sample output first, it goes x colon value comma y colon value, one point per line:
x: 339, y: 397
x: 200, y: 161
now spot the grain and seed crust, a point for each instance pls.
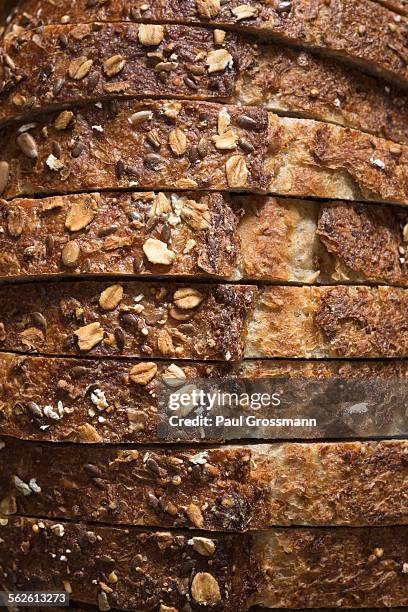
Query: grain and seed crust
x: 132, y: 412
x: 195, y: 234
x: 342, y: 321
x: 145, y: 144
x: 314, y: 159
x: 151, y: 568
x: 361, y: 32
x: 207, y: 234
x: 236, y: 488
x: 278, y: 568
x: 131, y: 319
x: 41, y: 68
x: 36, y: 68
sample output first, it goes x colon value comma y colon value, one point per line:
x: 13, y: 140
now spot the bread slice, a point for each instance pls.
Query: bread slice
x: 314, y: 159
x: 236, y: 488
x: 204, y: 322
x: 363, y: 33
x: 145, y: 144
x: 281, y: 79
x: 370, y: 403
x: 209, y: 235
x: 277, y: 568
x: 206, y: 146
x: 71, y: 64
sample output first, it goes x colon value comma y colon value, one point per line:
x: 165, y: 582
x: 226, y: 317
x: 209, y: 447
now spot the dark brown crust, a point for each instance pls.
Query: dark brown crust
x: 399, y: 6
x: 287, y: 81
x: 249, y: 237
x: 334, y: 27
x: 281, y: 79
x: 315, y: 159
x: 28, y: 384
x: 199, y: 228
x: 329, y: 322
x: 351, y: 568
x: 39, y: 77
x: 147, y: 321
x: 362, y: 321
x: 282, y: 568
x: 151, y: 567
x: 116, y: 154
x: 363, y: 241
x: 226, y: 489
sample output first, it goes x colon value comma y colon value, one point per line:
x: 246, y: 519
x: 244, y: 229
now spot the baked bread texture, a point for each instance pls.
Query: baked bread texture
x: 53, y: 399
x: 358, y: 31
x: 204, y: 322
x: 237, y: 488
x: 205, y: 235
x: 59, y: 65
x: 279, y: 568
x: 147, y: 144
x: 204, y: 146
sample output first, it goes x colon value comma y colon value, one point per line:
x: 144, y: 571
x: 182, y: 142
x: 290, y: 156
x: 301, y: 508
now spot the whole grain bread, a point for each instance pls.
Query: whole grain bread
x: 203, y: 146
x: 42, y: 71
x: 146, y: 144
x: 205, y: 235
x: 62, y: 64
x: 54, y: 399
x: 134, y: 319
x: 357, y: 31
x: 204, y: 322
x: 129, y: 569
x: 236, y: 488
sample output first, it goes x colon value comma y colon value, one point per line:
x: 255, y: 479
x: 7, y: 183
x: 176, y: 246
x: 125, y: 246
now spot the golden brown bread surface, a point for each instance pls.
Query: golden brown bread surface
x: 328, y: 322
x: 235, y: 488
x: 41, y: 71
x: 315, y: 159
x: 206, y: 234
x: 203, y: 322
x: 145, y: 144
x: 357, y: 31
x: 133, y: 413
x: 278, y: 568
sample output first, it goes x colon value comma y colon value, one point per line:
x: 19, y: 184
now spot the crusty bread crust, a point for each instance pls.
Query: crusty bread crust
x: 281, y: 79
x: 314, y: 159
x: 112, y: 229
x: 136, y: 319
x: 328, y: 322
x: 204, y: 322
x: 40, y: 73
x: 145, y: 144
x: 210, y: 234
x: 291, y: 157
x: 357, y: 31
x: 308, y: 568
x: 236, y: 488
x: 134, y: 413
x: 280, y: 568
x: 399, y: 6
